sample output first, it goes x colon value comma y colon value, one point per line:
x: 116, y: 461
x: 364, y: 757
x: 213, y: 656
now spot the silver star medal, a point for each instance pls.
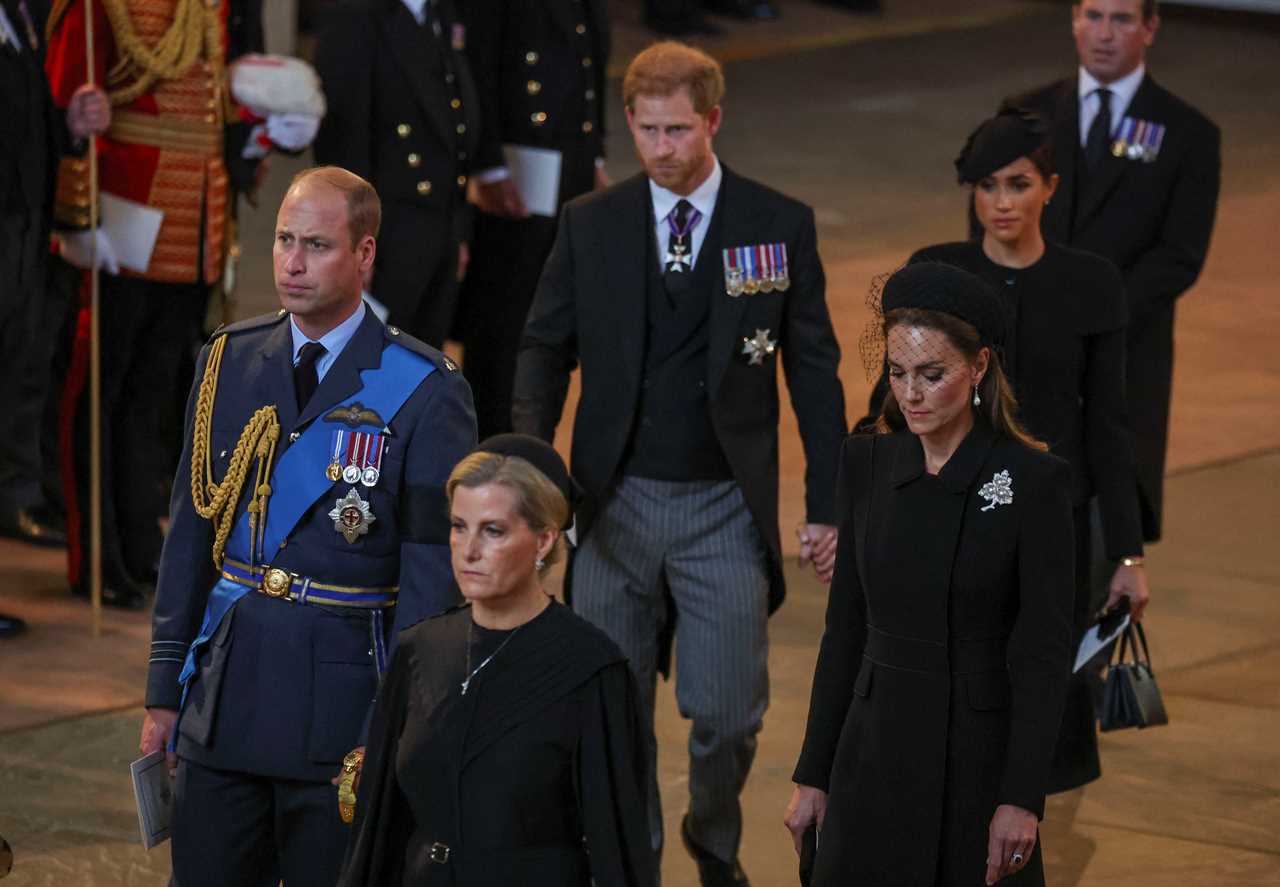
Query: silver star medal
x: 676, y: 258
x: 997, y: 491
x: 759, y: 348
x: 351, y: 516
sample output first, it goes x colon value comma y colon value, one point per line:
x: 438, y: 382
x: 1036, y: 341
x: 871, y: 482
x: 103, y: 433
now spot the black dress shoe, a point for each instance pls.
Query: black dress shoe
x: 30, y: 525
x: 123, y: 594
x: 712, y: 870
x: 11, y: 626
x: 684, y: 26
x: 751, y: 10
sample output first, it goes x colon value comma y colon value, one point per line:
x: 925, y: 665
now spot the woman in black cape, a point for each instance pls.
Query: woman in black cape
x: 505, y: 747
x: 943, y: 668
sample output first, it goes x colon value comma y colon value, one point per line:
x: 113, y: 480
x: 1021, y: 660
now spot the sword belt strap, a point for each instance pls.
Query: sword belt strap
x: 278, y: 583
x: 190, y: 136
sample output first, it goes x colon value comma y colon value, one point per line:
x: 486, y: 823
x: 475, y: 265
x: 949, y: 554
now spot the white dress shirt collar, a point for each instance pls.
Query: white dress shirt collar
x: 333, y: 341
x: 1122, y: 92
x: 703, y: 197
x: 418, y: 8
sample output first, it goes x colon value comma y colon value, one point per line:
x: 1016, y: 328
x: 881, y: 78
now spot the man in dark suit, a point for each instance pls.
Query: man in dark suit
x: 308, y: 523
x: 540, y: 71
x: 34, y: 133
x: 1139, y: 174
x: 677, y: 292
x: 403, y: 114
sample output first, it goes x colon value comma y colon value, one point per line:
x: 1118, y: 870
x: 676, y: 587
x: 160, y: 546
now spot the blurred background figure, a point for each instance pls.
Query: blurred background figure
x: 541, y: 77
x: 403, y: 114
x: 175, y: 154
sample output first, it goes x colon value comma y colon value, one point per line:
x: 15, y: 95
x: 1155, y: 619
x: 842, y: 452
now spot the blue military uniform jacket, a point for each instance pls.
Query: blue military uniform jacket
x: 282, y: 688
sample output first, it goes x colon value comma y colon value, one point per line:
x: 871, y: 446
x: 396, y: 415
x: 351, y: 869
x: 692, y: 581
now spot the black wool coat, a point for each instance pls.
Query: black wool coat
x: 943, y: 668
x: 1153, y: 220
x: 535, y: 776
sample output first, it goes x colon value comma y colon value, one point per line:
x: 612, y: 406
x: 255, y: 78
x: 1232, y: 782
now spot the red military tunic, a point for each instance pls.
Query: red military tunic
x: 165, y: 146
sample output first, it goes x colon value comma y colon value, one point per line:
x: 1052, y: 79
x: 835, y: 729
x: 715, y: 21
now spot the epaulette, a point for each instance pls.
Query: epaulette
x: 399, y: 337
x: 251, y: 323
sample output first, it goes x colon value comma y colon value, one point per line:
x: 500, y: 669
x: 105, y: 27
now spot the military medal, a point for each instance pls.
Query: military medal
x: 758, y: 348
x: 351, y: 516
x: 334, y: 470
x: 677, y: 258
x: 1138, y: 140
x: 761, y: 268
x: 372, y: 464
x: 764, y: 262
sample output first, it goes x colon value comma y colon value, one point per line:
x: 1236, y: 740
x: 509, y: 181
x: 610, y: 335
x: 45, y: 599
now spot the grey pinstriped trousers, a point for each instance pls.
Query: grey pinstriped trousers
x: 698, y: 540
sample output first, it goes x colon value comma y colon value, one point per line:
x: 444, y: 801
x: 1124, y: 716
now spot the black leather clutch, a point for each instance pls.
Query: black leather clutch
x: 1130, y: 696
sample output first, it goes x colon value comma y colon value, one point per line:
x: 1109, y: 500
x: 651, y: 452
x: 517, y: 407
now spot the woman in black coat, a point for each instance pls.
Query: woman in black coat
x: 1065, y: 355
x: 943, y: 668
x: 506, y: 745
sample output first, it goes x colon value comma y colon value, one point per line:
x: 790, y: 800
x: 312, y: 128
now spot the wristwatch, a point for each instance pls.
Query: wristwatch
x: 1131, y: 562
x: 351, y: 766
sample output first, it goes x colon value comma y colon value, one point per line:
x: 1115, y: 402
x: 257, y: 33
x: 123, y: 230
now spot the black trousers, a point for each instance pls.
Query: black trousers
x: 148, y: 332
x: 253, y: 831
x: 28, y: 333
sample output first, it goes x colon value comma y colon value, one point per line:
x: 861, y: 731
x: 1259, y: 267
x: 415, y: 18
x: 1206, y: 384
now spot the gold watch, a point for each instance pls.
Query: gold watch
x: 351, y: 766
x: 1131, y: 562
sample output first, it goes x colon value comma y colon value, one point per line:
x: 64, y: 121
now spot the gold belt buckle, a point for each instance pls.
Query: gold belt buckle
x: 276, y: 582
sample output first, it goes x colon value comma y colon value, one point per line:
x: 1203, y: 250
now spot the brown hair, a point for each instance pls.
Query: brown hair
x: 364, y: 207
x: 665, y: 67
x: 538, y: 501
x: 999, y: 406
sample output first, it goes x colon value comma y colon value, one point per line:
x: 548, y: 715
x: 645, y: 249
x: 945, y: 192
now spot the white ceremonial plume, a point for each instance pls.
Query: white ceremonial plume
x: 277, y: 84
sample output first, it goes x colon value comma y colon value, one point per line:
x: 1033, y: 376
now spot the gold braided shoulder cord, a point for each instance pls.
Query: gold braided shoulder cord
x: 196, y: 30
x: 216, y: 502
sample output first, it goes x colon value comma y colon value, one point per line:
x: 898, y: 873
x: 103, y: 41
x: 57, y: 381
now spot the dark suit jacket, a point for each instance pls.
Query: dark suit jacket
x: 589, y: 310
x: 283, y: 689
x: 533, y: 85
x: 943, y: 668
x: 33, y: 132
x: 1153, y: 220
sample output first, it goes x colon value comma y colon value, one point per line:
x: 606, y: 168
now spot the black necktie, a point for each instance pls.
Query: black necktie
x: 305, y: 377
x: 680, y: 239
x: 1095, y: 146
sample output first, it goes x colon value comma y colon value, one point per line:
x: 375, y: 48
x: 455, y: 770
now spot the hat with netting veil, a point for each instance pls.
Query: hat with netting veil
x: 931, y: 286
x: 1000, y: 140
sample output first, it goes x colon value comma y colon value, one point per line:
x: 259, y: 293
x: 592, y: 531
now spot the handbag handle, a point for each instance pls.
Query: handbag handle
x: 1127, y: 640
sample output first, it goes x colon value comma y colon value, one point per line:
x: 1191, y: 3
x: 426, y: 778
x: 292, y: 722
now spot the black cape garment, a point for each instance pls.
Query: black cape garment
x: 943, y: 667
x: 533, y: 777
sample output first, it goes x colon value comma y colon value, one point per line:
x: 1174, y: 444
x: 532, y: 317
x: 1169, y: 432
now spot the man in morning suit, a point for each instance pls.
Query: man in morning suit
x: 677, y: 292
x: 1139, y: 174
x: 403, y: 114
x: 540, y: 71
x: 308, y: 523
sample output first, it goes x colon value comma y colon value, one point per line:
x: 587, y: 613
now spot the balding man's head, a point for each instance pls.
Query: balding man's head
x: 364, y: 208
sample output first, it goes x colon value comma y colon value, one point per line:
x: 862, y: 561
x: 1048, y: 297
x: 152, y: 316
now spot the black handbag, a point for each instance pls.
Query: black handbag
x: 1130, y: 696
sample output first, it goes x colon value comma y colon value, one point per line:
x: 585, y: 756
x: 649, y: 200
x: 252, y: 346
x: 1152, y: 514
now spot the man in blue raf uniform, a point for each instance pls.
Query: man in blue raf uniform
x: 308, y: 522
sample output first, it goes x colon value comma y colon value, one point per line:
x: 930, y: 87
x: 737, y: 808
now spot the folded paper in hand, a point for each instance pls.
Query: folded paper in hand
x: 536, y: 173
x: 1107, y: 629
x: 154, y: 794
x: 132, y: 229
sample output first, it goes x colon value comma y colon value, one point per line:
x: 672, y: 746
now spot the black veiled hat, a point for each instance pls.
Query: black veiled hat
x: 937, y: 286
x: 1000, y: 140
x: 542, y: 456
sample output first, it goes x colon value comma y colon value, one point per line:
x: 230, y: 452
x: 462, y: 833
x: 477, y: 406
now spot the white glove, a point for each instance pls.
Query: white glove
x: 76, y: 247
x: 292, y: 132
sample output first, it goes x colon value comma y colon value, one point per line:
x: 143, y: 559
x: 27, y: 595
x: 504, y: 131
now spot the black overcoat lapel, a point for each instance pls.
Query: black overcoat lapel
x: 1066, y: 140
x: 362, y: 352
x: 1111, y: 168
x: 623, y: 276
x: 411, y: 46
x: 744, y: 222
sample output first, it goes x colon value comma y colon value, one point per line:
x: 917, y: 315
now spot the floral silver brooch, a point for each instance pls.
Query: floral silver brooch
x: 997, y: 491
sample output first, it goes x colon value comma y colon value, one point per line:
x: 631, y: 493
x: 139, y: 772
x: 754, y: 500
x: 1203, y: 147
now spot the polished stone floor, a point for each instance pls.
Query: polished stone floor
x: 861, y: 118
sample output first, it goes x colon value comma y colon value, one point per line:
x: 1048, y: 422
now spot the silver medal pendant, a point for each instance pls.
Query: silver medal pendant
x: 758, y: 348
x: 351, y: 474
x: 370, y: 476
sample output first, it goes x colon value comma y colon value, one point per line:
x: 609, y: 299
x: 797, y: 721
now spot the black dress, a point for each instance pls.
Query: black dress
x: 532, y: 777
x: 1065, y: 356
x: 943, y: 668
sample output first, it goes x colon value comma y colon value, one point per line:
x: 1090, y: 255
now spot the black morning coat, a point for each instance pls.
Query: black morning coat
x: 1153, y: 220
x: 535, y: 777
x: 943, y: 667
x: 589, y: 311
